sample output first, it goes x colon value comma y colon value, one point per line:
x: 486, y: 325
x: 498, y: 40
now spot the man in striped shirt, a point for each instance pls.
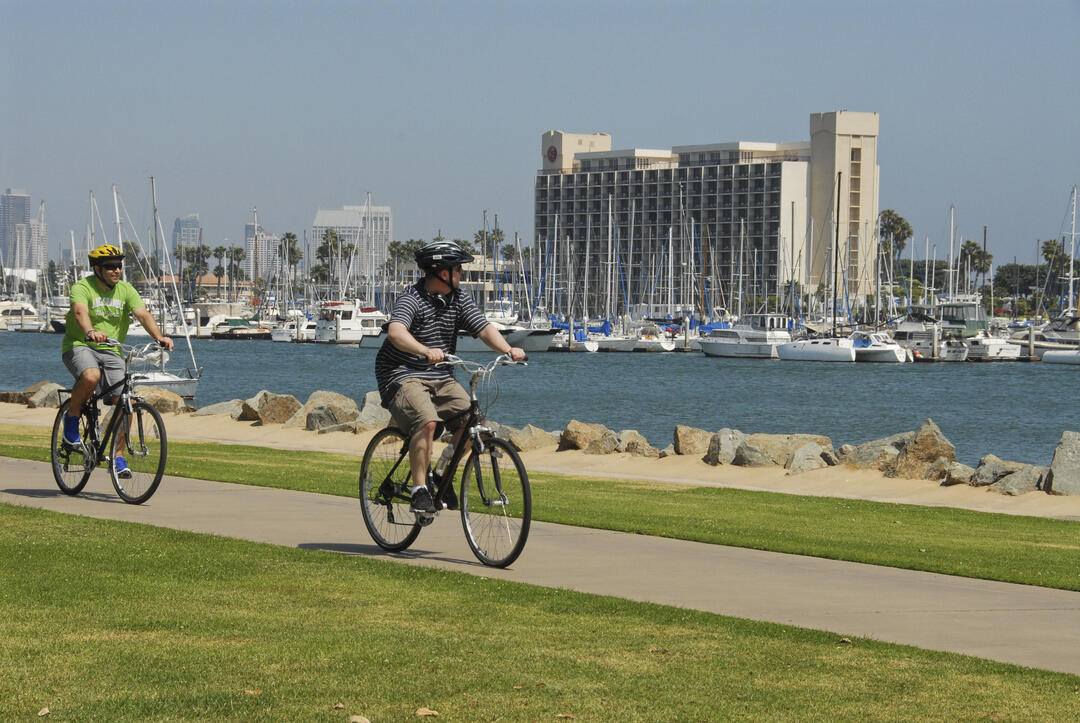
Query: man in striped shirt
x: 422, y: 330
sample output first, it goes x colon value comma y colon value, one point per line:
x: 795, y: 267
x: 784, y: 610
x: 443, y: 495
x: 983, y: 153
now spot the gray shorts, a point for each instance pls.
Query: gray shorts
x: 419, y: 401
x: 81, y: 358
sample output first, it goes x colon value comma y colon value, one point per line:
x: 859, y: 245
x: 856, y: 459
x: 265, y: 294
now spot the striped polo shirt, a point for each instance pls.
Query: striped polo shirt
x: 433, y: 327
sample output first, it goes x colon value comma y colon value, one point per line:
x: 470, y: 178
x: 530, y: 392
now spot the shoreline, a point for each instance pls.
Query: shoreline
x: 841, y: 481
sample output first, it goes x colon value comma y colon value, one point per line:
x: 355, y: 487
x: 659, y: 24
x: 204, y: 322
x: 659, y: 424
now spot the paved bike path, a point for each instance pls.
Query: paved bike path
x: 1027, y: 625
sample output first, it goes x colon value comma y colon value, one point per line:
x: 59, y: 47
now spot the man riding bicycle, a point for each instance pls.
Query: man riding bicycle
x: 422, y: 330
x: 100, y: 305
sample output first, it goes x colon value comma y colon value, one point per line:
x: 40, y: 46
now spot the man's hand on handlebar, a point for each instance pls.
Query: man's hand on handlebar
x: 517, y: 354
x: 434, y: 355
x: 166, y: 342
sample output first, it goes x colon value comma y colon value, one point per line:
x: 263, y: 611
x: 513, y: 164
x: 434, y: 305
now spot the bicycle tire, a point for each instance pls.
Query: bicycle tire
x: 496, y: 503
x: 145, y: 452
x: 71, y: 466
x: 385, y: 483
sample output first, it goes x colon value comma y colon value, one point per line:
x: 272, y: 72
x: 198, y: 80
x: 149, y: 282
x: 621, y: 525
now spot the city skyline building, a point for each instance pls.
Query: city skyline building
x: 262, y: 257
x: 187, y: 231
x: 18, y: 240
x: 368, y: 229
x: 708, y: 225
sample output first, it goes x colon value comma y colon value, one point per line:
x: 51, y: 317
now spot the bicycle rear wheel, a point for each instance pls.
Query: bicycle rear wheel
x: 144, y: 451
x: 71, y: 465
x: 496, y: 503
x: 385, y: 483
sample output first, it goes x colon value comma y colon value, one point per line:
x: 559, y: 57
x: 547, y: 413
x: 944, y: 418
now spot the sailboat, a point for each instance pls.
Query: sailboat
x: 149, y: 370
x: 829, y: 348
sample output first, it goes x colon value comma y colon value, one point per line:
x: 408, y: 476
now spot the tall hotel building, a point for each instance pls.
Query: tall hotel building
x: 24, y: 240
x: 370, y: 229
x: 262, y: 252
x: 749, y: 216
x: 187, y: 231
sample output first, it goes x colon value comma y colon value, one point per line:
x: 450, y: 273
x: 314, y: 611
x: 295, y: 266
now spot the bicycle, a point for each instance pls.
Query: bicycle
x: 495, y: 500
x: 144, y: 450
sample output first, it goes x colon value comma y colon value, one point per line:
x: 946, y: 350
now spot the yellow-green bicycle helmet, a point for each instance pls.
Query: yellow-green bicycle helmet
x: 105, y: 252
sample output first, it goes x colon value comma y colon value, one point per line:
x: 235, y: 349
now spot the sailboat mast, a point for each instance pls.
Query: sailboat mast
x: 1072, y: 251
x: 836, y: 248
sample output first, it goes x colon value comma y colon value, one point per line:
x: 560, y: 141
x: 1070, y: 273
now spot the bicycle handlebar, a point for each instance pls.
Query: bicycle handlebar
x: 477, y: 367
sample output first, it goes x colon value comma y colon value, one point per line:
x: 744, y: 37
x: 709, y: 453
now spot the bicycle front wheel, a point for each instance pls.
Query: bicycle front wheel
x: 385, y: 484
x: 144, y: 450
x: 71, y: 465
x: 496, y: 504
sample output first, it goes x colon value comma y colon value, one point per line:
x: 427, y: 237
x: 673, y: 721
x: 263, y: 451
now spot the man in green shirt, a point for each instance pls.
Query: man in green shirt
x: 100, y: 305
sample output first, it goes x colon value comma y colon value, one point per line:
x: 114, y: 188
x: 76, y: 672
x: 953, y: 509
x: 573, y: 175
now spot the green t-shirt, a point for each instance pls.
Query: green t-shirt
x: 109, y: 312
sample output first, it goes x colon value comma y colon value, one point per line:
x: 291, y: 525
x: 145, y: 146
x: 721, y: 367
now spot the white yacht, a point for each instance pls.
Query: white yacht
x: 827, y: 348
x: 1062, y: 356
x: 348, y: 322
x: 983, y: 347
x: 17, y: 315
x: 294, y: 330
x: 754, y: 335
x: 877, y: 346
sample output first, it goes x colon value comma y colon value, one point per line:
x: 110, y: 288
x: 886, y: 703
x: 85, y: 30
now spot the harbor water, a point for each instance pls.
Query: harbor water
x: 1015, y: 410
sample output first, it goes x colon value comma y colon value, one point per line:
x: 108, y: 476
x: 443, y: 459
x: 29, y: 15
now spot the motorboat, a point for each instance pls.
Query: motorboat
x: 983, y: 347
x: 753, y: 336
x: 349, y: 322
x: 918, y: 330
x: 1062, y: 356
x: 877, y: 346
x: 294, y: 330
x: 824, y: 348
x: 650, y: 337
x: 18, y: 315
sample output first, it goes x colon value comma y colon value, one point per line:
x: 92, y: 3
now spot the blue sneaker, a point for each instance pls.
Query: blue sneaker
x: 71, y: 431
x: 121, y: 468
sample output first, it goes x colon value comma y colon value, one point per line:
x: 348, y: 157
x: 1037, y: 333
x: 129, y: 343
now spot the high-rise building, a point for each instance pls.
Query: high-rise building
x: 14, y: 212
x: 187, y: 231
x: 262, y: 257
x: 706, y: 226
x: 367, y: 229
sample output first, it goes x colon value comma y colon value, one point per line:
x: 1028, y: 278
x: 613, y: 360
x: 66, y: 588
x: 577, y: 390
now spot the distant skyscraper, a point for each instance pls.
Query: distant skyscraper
x: 370, y: 229
x: 14, y: 211
x: 187, y: 231
x: 262, y: 259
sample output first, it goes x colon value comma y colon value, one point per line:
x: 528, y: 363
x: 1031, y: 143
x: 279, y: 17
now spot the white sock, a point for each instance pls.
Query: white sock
x: 418, y: 488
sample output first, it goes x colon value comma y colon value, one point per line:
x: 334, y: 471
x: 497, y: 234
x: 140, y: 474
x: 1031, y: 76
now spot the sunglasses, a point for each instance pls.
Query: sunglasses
x: 113, y: 266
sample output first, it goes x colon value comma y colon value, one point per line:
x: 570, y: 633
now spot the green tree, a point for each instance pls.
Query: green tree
x: 220, y: 252
x: 893, y: 234
x: 292, y: 256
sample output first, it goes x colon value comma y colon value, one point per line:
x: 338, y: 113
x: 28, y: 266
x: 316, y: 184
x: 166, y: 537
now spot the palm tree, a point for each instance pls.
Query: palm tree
x: 236, y: 255
x: 292, y: 255
x: 219, y: 253
x: 893, y: 234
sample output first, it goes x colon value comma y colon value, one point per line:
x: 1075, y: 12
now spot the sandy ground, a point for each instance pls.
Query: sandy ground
x: 841, y: 481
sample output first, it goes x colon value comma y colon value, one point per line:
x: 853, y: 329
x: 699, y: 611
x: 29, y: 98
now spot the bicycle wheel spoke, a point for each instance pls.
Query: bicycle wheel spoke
x: 496, y: 504
x: 385, y: 479
x: 71, y: 465
x: 143, y: 450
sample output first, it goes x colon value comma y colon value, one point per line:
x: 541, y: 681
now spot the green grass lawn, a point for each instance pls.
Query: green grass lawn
x: 1009, y: 548
x: 103, y: 620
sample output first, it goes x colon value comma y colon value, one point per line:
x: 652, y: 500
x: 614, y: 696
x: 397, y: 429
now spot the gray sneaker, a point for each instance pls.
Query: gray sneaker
x: 421, y: 501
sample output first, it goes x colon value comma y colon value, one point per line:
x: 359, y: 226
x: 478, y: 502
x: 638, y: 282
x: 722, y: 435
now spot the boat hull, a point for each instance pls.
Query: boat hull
x: 1062, y: 356
x: 825, y: 350
x: 735, y: 349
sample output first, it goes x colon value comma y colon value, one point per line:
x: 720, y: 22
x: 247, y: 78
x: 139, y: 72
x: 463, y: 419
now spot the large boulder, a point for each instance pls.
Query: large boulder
x: 1028, y: 478
x: 807, y: 457
x: 991, y: 469
x: 532, y: 437
x: 578, y: 435
x: 877, y: 454
x: 233, y: 407
x: 14, y: 397
x: 1064, y: 477
x: 269, y: 408
x: 633, y: 442
x: 43, y: 394
x: 757, y: 450
x: 920, y: 457
x: 723, y: 445
x: 324, y: 409
x: 691, y: 440
x: 163, y: 400
x: 958, y: 474
x: 373, y: 415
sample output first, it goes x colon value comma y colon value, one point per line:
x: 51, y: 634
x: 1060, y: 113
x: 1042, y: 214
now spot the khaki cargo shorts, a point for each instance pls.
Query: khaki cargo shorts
x: 419, y: 401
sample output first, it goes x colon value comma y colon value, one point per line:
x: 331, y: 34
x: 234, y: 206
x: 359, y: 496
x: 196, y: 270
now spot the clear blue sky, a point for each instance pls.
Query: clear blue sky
x: 437, y: 108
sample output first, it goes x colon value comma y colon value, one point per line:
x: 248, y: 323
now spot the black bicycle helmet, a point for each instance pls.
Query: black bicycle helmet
x: 443, y: 254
